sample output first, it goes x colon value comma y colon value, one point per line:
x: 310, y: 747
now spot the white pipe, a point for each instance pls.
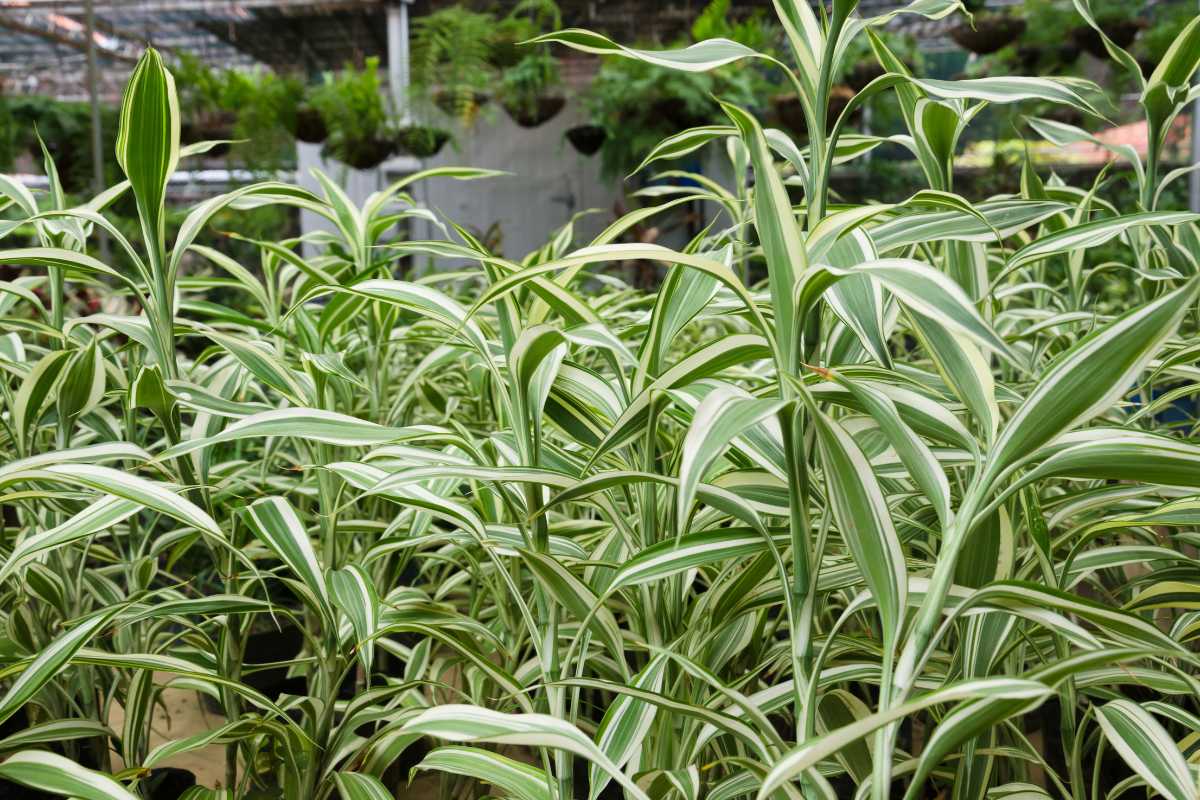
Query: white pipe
x: 398, y: 54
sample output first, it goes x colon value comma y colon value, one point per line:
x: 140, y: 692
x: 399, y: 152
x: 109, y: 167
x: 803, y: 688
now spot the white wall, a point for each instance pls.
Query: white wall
x: 550, y: 181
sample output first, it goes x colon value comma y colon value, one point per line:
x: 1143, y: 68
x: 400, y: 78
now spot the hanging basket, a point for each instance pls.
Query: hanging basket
x: 541, y: 111
x: 421, y: 141
x: 863, y: 73
x: 454, y: 104
x: 789, y: 113
x: 676, y: 112
x: 1122, y: 33
x: 586, y: 139
x: 211, y: 127
x: 362, y: 153
x: 310, y: 126
x: 991, y: 33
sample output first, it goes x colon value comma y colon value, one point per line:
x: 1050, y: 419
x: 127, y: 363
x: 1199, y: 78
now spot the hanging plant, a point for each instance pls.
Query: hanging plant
x: 989, y: 31
x: 527, y: 19
x: 639, y: 104
x: 1168, y: 21
x: 352, y: 105
x: 450, y: 61
x: 266, y: 120
x: 530, y: 79
x: 528, y: 90
x: 421, y: 141
x: 1121, y: 21
x: 308, y: 125
x: 862, y: 66
x: 212, y: 98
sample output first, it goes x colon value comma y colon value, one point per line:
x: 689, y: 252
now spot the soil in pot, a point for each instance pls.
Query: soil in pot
x: 310, y: 126
x: 1122, y: 33
x: 422, y: 141
x: 586, y: 139
x: 540, y: 112
x: 991, y: 32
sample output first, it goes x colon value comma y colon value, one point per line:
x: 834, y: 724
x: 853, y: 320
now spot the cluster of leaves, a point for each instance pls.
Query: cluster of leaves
x: 865, y: 527
x: 353, y: 106
x: 64, y: 127
x: 460, y: 57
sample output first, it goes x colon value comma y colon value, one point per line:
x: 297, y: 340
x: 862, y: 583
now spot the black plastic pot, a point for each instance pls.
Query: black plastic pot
x: 272, y: 646
x: 586, y: 139
x: 991, y: 33
x: 542, y: 111
x: 422, y: 141
x: 15, y: 791
x: 167, y: 783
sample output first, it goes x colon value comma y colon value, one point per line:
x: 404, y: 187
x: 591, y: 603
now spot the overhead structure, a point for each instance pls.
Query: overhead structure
x: 43, y: 43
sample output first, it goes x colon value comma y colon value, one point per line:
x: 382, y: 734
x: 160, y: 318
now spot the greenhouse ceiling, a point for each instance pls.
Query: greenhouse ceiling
x: 43, y: 42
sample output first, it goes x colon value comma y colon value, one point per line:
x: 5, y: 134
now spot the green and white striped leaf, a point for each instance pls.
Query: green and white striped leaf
x: 50, y: 661
x: 359, y: 786
x: 723, y: 415
x: 328, y: 427
x: 514, y: 778
x: 462, y: 723
x: 698, y: 57
x: 626, y: 723
x: 49, y: 772
x: 865, y: 522
x: 354, y: 595
x: 1091, y: 376
x: 275, y: 522
x: 1147, y: 748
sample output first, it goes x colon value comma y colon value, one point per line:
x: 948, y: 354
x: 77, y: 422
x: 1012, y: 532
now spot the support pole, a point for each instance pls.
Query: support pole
x: 398, y: 56
x: 1194, y: 177
x: 93, y: 79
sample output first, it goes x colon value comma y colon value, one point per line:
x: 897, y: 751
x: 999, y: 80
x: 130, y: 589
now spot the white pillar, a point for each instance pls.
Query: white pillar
x: 398, y: 60
x: 1194, y: 178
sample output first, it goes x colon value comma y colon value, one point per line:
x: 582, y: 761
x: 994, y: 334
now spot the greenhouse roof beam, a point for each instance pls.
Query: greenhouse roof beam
x: 60, y: 30
x: 74, y: 7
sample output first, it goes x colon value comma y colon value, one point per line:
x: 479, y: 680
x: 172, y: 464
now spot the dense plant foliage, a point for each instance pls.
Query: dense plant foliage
x: 884, y: 500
